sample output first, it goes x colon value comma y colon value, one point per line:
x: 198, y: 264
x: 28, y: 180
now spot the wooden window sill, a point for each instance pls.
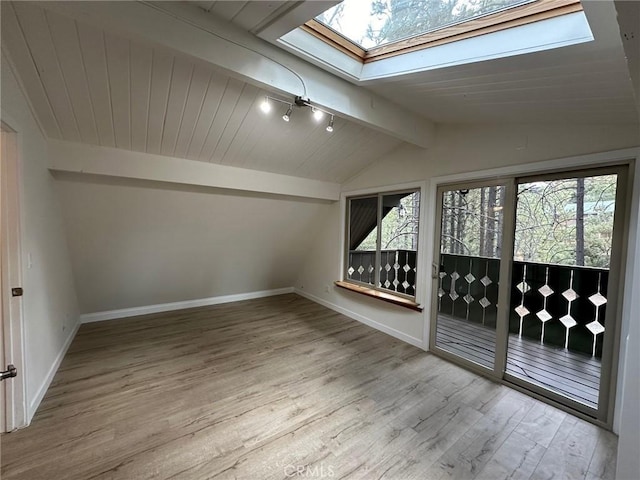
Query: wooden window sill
x: 386, y: 297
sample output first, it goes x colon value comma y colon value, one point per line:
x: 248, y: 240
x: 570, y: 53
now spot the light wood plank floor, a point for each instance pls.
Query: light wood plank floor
x: 284, y: 388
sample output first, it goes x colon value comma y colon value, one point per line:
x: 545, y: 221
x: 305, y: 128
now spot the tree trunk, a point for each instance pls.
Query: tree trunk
x: 452, y: 222
x: 491, y: 225
x: 580, y: 221
x: 461, y: 224
x: 484, y: 215
x: 499, y: 216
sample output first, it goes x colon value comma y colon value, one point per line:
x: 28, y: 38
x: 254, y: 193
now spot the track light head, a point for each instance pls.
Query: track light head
x: 287, y: 116
x: 330, y: 125
x: 265, y: 106
x: 317, y: 113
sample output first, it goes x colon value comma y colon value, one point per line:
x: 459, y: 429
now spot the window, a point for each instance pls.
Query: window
x: 382, y: 242
x: 374, y: 29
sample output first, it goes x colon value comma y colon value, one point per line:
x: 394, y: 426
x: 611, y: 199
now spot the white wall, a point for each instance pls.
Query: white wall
x: 50, y: 307
x: 136, y: 243
x: 461, y: 148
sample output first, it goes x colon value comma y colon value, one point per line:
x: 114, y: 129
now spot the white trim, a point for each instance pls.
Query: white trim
x: 383, y: 189
x: 416, y: 342
x: 629, y: 310
x: 547, y: 34
x: 557, y: 164
x: 12, y: 235
x: 168, y: 307
x: 601, y: 159
x: 46, y: 383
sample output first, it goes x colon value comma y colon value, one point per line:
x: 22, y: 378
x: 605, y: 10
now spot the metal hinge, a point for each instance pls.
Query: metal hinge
x: 17, y: 291
x: 10, y: 372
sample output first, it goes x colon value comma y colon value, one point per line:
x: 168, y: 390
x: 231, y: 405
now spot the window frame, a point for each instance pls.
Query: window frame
x: 502, y: 20
x: 399, y: 298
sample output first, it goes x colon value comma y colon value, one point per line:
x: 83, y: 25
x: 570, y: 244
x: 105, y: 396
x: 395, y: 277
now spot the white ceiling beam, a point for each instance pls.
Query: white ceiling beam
x: 186, y: 29
x: 297, y: 14
x: 111, y: 162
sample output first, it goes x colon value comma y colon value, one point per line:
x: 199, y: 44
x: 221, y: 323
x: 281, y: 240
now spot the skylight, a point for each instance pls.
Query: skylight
x: 374, y: 23
x: 367, y: 40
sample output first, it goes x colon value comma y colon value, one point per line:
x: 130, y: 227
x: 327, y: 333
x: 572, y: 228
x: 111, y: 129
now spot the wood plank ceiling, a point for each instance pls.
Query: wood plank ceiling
x: 88, y: 85
x: 586, y: 83
x: 249, y: 15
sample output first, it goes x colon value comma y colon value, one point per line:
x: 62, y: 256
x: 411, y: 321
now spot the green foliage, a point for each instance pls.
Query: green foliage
x: 406, y: 18
x: 547, y: 221
x: 399, y: 225
x: 371, y: 23
x: 548, y: 224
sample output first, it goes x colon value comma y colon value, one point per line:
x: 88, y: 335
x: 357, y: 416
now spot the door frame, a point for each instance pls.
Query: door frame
x: 624, y: 157
x: 502, y: 318
x: 13, y: 322
x: 609, y: 360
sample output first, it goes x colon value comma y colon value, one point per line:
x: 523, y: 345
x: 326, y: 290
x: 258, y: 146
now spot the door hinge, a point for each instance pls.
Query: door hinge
x: 17, y: 291
x: 10, y: 372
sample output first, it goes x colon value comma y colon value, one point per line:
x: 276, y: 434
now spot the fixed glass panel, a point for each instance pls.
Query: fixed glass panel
x: 471, y: 227
x: 382, y: 246
x: 399, y: 242
x: 363, y: 234
x: 373, y: 23
x: 560, y: 277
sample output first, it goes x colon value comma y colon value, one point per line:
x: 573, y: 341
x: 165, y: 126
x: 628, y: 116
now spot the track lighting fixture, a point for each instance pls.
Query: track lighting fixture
x: 317, y: 112
x: 330, y: 125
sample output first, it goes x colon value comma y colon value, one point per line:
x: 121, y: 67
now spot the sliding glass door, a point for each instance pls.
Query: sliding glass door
x: 562, y: 317
x: 466, y: 304
x: 526, y: 281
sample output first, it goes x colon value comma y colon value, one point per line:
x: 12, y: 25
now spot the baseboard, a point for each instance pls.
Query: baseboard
x: 35, y: 403
x: 168, y: 307
x: 416, y: 342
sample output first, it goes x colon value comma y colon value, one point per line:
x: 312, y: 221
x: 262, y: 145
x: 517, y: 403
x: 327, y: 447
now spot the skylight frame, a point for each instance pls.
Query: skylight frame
x: 501, y: 20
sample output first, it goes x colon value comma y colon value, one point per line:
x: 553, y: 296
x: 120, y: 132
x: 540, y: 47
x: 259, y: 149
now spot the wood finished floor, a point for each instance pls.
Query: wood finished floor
x: 255, y: 389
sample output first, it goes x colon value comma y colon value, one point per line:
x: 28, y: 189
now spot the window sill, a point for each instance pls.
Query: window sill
x: 386, y: 297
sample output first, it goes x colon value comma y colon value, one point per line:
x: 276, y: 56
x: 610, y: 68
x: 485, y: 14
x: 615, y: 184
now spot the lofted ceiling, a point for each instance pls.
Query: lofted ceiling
x: 91, y: 86
x: 585, y: 83
x: 94, y: 85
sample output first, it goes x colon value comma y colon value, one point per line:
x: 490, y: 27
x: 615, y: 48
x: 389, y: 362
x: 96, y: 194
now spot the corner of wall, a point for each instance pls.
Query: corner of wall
x: 416, y: 342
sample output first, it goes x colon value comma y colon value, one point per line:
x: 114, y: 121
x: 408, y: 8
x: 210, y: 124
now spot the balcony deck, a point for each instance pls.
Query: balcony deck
x: 574, y: 375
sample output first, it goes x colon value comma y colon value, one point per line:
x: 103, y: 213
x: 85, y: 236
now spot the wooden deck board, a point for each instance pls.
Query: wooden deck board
x: 249, y: 389
x: 572, y: 374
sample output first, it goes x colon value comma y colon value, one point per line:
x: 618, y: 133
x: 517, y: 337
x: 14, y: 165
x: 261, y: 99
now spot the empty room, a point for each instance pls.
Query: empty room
x: 358, y: 239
